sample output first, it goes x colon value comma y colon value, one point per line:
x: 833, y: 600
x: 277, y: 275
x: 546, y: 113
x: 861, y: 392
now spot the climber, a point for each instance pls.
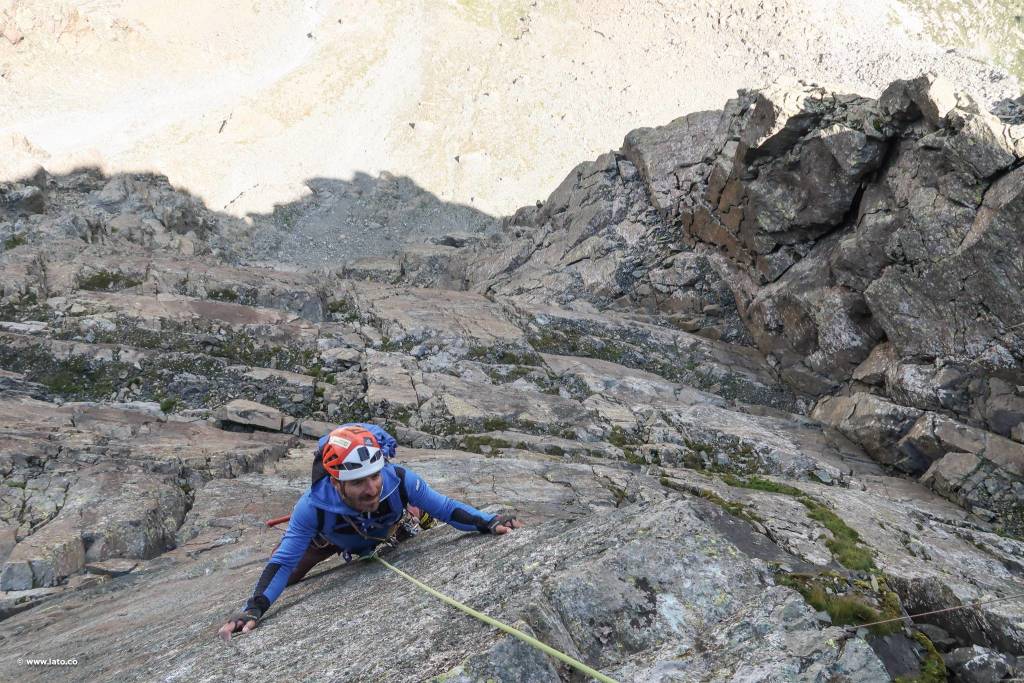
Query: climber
x: 358, y: 502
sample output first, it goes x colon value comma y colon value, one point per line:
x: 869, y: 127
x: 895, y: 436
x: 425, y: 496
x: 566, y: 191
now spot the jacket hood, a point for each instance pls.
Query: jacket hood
x: 322, y: 494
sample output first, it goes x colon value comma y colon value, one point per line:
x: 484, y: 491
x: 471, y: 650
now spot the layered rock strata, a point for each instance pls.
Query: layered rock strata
x: 751, y: 380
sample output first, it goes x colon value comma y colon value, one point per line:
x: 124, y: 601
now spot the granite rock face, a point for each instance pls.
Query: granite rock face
x: 867, y: 248
x: 751, y: 381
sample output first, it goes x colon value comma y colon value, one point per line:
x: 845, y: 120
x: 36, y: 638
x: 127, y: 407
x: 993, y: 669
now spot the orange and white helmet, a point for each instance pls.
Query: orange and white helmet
x: 352, y: 453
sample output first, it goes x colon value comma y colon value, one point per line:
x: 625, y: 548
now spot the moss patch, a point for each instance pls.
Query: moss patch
x: 108, y: 280
x: 846, y: 603
x: 222, y: 294
x: 343, y: 310
x: 571, y: 342
x: 504, y: 354
x: 620, y: 438
x: 475, y: 442
x: 24, y: 307
x: 75, y: 376
x: 846, y: 544
x: 238, y: 346
x: 190, y: 379
x: 933, y: 669
x: 760, y: 484
x: 14, y: 241
x: 733, y: 508
x: 496, y: 424
x: 387, y: 344
x: 505, y: 374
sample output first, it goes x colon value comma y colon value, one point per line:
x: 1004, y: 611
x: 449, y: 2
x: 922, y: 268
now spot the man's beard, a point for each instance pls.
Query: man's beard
x: 365, y: 504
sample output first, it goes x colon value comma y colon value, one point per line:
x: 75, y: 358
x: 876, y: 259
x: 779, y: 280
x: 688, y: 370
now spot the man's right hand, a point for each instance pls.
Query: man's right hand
x: 241, y: 623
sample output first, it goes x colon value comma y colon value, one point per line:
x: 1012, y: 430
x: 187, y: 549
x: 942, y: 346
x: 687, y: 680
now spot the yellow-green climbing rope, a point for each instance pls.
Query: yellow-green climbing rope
x: 530, y: 640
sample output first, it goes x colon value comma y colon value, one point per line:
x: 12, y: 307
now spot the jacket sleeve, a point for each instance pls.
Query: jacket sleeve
x: 301, y: 530
x: 458, y: 514
x: 386, y: 441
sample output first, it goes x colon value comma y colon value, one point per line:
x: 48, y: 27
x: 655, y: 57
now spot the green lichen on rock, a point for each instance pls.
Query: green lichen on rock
x: 760, y: 484
x: 475, y: 443
x: 108, y: 280
x: 14, y: 241
x: 845, y: 602
x: 933, y: 668
x: 342, y: 310
x: 504, y: 354
x: 734, y: 508
x: 222, y: 294
x: 846, y: 545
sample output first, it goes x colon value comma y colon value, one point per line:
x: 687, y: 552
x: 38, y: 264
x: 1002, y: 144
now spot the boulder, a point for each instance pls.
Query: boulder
x: 980, y: 470
x: 981, y: 143
x: 22, y: 200
x: 1004, y: 408
x: 44, y: 559
x: 876, y: 366
x: 389, y: 386
x: 933, y: 96
x: 929, y: 311
x: 252, y: 414
x: 876, y: 424
x: 977, y: 664
x: 314, y: 429
x: 665, y: 155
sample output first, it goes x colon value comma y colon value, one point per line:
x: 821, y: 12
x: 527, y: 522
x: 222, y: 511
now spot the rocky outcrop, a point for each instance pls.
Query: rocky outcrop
x: 61, y: 464
x: 849, y: 222
x: 863, y: 244
x: 726, y: 374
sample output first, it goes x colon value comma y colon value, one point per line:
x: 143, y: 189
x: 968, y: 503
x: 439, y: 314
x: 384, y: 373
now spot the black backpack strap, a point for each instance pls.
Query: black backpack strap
x: 318, y: 471
x: 400, y: 471
x: 319, y: 520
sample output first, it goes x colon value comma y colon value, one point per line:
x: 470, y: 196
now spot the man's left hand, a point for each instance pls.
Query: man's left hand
x: 505, y: 524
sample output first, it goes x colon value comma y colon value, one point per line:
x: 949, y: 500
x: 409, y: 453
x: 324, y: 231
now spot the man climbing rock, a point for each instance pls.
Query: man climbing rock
x: 357, y: 500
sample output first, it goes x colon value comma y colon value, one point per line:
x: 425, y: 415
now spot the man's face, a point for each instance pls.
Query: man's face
x: 361, y: 494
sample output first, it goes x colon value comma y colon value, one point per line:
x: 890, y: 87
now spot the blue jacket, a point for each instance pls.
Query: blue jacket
x: 321, y: 510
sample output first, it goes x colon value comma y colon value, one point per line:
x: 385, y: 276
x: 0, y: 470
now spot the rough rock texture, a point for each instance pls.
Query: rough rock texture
x: 630, y: 586
x: 861, y: 245
x: 723, y: 374
x: 978, y: 665
x: 60, y: 465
